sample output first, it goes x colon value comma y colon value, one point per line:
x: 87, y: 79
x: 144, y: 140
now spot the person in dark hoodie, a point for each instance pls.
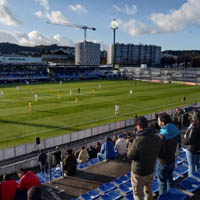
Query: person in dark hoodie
x: 170, y: 137
x: 143, y: 152
x: 70, y: 163
x: 192, y: 142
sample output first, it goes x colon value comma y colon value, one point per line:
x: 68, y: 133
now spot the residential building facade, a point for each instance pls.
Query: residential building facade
x: 88, y: 55
x: 130, y: 54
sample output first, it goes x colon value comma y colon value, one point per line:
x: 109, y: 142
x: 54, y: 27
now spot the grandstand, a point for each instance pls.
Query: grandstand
x: 94, y: 179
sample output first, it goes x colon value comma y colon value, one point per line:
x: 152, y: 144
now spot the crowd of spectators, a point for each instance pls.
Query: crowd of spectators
x: 27, y: 188
x: 149, y: 143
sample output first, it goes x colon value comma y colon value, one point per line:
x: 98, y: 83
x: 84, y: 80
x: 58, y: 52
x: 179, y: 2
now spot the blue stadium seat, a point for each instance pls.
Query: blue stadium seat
x: 196, y: 174
x: 185, y: 163
x: 106, y: 187
x: 111, y: 195
x: 121, y: 180
x: 182, y: 155
x: 173, y: 194
x: 129, y: 196
x: 179, y: 161
x: 175, y: 176
x: 92, y: 194
x: 83, y: 165
x: 181, y: 169
x: 154, y: 186
x: 126, y: 187
x: 93, y: 161
x: 128, y: 175
x: 189, y: 184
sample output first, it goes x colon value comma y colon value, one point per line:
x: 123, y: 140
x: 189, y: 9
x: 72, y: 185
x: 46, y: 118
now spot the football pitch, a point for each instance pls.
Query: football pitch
x: 55, y: 113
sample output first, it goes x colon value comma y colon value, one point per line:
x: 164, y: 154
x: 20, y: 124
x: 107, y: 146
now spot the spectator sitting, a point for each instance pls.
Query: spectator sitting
x: 34, y: 193
x: 8, y: 188
x: 57, y: 156
x: 107, y: 150
x: 27, y: 180
x: 121, y: 146
x: 83, y: 155
x: 92, y: 152
x: 43, y: 161
x: 70, y: 163
x: 98, y: 147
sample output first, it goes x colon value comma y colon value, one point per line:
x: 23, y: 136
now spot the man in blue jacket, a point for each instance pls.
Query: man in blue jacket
x: 170, y: 137
x: 107, y: 150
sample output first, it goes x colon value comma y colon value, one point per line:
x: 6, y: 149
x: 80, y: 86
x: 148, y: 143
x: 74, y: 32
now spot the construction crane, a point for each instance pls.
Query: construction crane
x: 84, y: 28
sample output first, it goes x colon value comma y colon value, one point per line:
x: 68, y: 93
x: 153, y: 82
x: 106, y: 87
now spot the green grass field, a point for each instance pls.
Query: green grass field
x: 51, y: 116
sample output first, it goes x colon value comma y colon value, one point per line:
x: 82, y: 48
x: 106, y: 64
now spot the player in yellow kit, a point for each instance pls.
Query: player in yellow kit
x: 59, y: 94
x: 76, y: 100
x: 30, y: 104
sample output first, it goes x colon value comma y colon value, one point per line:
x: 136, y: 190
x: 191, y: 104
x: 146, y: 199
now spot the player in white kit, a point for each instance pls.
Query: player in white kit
x: 116, y: 109
x: 36, y: 97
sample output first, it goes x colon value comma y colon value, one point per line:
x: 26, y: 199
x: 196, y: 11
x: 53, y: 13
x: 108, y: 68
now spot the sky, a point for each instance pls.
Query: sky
x: 171, y: 24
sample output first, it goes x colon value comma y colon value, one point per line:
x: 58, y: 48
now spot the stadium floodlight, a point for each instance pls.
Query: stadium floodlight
x: 114, y: 25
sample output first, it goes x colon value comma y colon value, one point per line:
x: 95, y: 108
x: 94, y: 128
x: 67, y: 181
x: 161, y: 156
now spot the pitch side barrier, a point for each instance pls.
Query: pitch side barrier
x: 26, y: 155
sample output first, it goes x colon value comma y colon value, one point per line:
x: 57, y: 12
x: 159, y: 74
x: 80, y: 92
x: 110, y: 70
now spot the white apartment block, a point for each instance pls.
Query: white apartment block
x: 90, y: 55
x: 131, y: 54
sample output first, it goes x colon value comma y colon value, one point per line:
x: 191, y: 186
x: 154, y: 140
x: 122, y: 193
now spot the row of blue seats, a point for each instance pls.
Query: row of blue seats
x: 57, y: 173
x: 121, y: 187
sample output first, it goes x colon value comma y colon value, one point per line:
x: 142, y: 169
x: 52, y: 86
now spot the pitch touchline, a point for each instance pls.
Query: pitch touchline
x: 88, y: 122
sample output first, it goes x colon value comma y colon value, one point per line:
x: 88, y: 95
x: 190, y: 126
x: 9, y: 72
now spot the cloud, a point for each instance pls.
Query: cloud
x: 6, y: 36
x: 6, y: 17
x: 53, y: 16
x: 36, y: 38
x: 135, y: 28
x: 126, y: 10
x: 44, y: 3
x: 78, y: 9
x: 175, y: 20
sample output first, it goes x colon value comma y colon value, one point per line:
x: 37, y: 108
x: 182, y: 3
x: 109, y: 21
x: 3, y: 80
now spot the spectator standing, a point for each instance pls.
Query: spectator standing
x: 107, y: 150
x: 178, y: 118
x: 70, y: 163
x: 170, y: 137
x: 43, y: 161
x: 34, y: 193
x: 143, y: 153
x: 8, y: 188
x: 192, y: 142
x: 121, y: 146
x: 83, y: 155
x: 57, y: 156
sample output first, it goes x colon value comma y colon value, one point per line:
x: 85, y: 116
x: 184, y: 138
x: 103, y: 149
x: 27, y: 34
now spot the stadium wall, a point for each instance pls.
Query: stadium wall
x: 23, y: 150
x: 186, y: 76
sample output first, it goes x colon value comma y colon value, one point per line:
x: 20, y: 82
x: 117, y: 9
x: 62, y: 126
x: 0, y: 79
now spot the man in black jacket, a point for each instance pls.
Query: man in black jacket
x: 143, y: 153
x: 70, y: 163
x: 43, y: 161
